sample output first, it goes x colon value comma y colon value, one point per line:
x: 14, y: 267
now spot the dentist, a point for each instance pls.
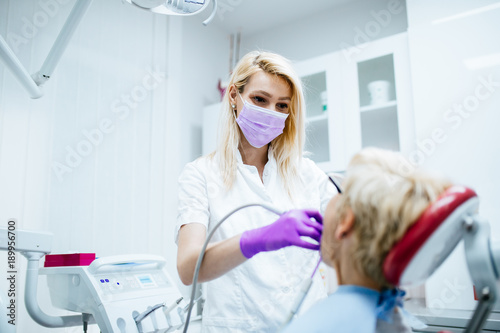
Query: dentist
x: 256, y: 260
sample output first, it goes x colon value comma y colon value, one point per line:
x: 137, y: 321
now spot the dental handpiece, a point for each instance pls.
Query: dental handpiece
x: 317, y: 265
x: 186, y: 308
x: 304, y: 289
x: 172, y: 306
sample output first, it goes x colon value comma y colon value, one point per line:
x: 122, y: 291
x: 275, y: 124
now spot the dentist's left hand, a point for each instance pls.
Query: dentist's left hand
x: 285, y: 231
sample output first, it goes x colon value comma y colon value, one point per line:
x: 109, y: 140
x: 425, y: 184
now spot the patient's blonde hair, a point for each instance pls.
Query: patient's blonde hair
x: 386, y: 200
x: 286, y: 148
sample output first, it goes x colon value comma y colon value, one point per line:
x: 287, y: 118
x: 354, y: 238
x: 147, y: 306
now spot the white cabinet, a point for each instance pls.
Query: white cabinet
x: 368, y: 101
x: 376, y: 115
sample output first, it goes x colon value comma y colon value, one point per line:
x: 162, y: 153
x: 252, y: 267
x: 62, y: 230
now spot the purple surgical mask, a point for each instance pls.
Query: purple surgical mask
x: 260, y: 125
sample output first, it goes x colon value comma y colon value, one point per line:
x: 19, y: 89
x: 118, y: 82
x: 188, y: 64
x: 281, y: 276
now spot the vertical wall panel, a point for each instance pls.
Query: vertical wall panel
x: 157, y: 164
x: 15, y: 129
x: 4, y: 8
x: 444, y: 85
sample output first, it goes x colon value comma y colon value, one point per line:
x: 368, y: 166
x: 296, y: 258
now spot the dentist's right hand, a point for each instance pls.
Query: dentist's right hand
x: 285, y: 231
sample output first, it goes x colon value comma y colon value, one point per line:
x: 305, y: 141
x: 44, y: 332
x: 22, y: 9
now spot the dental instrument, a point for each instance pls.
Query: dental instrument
x: 304, y: 289
x: 339, y: 177
x: 172, y: 306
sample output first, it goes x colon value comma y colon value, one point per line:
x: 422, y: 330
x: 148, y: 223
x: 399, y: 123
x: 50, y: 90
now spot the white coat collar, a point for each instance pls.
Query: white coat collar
x: 271, y: 162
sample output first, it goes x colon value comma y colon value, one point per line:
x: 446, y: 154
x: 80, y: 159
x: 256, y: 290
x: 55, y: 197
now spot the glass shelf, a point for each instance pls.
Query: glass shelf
x: 379, y: 128
x: 317, y: 118
x: 317, y: 137
x: 376, y: 70
x: 314, y: 85
x: 378, y: 103
x: 317, y: 141
x: 375, y: 107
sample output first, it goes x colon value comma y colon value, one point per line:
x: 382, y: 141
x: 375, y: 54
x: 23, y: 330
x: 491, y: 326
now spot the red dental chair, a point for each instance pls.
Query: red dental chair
x: 424, y: 247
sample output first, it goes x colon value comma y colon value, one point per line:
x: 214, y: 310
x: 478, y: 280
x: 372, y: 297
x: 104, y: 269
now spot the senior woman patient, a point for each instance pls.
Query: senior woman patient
x: 381, y: 199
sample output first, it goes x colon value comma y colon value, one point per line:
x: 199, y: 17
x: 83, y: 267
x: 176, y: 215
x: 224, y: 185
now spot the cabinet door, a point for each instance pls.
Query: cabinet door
x: 377, y: 100
x: 323, y: 112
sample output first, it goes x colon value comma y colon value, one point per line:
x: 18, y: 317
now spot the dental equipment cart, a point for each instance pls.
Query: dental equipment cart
x: 126, y: 293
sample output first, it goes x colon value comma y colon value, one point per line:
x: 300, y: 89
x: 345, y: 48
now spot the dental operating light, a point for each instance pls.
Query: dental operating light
x: 176, y: 7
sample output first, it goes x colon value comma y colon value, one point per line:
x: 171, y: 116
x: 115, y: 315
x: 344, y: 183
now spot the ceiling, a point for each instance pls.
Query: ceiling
x: 253, y: 16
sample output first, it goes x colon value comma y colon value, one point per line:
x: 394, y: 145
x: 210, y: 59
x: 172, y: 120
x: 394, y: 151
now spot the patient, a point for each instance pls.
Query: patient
x: 381, y: 198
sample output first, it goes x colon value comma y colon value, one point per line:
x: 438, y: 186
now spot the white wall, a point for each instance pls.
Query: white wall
x: 450, y: 94
x: 204, y: 61
x: 426, y: 11
x: 194, y: 71
x: 330, y: 31
x: 118, y: 195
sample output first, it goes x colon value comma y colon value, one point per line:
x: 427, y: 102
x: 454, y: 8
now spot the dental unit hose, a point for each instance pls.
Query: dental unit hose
x: 306, y: 285
x: 202, y: 253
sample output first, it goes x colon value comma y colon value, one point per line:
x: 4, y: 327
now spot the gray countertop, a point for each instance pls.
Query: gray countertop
x: 447, y: 317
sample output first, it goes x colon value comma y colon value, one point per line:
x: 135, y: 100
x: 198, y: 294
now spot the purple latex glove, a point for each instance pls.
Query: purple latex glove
x: 285, y: 231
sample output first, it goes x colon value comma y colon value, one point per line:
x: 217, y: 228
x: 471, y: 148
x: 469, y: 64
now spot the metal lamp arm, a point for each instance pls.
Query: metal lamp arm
x: 483, y: 264
x: 212, y: 14
x: 62, y: 41
x: 32, y: 83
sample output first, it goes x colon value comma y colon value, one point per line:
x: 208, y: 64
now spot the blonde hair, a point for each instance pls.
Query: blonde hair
x: 386, y: 198
x: 286, y: 148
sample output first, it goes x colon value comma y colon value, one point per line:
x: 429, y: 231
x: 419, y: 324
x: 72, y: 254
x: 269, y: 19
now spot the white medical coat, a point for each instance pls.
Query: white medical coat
x: 257, y: 295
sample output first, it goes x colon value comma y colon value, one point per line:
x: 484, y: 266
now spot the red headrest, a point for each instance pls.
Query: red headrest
x: 430, y: 240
